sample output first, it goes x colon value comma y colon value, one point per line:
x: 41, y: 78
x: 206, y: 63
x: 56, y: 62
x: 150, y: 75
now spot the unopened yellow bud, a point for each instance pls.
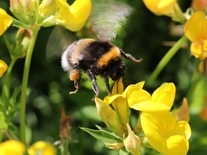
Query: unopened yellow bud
x: 132, y: 142
x: 109, y: 116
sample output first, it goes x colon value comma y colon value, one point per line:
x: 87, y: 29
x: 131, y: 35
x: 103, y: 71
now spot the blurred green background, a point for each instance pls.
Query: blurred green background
x: 144, y: 36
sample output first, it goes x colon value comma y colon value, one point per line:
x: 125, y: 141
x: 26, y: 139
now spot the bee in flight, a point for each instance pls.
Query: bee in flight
x: 98, y: 57
x: 95, y: 58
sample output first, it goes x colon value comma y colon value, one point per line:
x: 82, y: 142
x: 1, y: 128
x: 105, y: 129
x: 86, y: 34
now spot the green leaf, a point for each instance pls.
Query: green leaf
x: 3, y: 124
x: 103, y: 135
x: 122, y: 152
x: 108, y: 132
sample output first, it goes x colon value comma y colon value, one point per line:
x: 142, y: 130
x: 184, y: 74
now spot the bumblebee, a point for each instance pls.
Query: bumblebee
x: 95, y: 58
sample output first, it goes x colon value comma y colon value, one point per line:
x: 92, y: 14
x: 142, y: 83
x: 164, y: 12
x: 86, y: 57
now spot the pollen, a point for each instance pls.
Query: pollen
x: 74, y: 75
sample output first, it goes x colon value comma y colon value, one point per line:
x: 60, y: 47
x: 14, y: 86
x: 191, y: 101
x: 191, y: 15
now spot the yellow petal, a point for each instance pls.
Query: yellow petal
x: 164, y: 94
x: 150, y: 125
x: 73, y: 17
x: 196, y: 27
x: 81, y: 9
x: 135, y: 96
x: 160, y: 7
x: 48, y: 7
x: 165, y: 134
x: 199, y: 49
x: 118, y: 87
x: 5, y: 21
x: 131, y: 87
x: 176, y: 144
x: 3, y: 67
x: 150, y: 106
x: 165, y: 3
x: 12, y: 147
x: 110, y: 98
x: 181, y: 128
x: 43, y: 148
x: 135, y: 93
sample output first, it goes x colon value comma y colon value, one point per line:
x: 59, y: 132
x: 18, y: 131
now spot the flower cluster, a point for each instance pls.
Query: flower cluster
x: 33, y: 14
x: 162, y: 131
x: 53, y: 12
x: 194, y: 28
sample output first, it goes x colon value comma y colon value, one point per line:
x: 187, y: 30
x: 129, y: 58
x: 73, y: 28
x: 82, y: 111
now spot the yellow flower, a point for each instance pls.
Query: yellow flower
x: 43, y: 148
x: 73, y: 17
x: 3, y: 67
x: 165, y: 134
x: 196, y: 31
x: 161, y: 100
x: 160, y: 7
x: 5, y: 21
x: 14, y: 147
x: 120, y: 98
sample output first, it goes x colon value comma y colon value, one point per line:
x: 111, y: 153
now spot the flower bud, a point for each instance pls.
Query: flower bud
x: 109, y: 116
x: 199, y: 5
x: 114, y: 146
x: 183, y: 112
x: 25, y: 10
x: 132, y: 142
x: 120, y: 103
x: 22, y: 41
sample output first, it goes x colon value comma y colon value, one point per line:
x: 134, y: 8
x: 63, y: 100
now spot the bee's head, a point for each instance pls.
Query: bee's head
x: 117, y: 72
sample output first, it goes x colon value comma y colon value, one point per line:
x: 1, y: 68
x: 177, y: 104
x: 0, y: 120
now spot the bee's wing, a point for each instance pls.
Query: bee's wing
x: 107, y: 19
x: 58, y: 42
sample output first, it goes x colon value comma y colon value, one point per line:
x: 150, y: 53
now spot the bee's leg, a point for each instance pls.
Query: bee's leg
x: 94, y: 83
x: 76, y: 85
x: 129, y: 56
x: 106, y: 80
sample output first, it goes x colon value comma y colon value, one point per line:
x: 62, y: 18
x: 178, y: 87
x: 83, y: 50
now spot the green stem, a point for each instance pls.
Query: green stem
x: 30, y: 49
x: 64, y: 147
x: 166, y: 59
